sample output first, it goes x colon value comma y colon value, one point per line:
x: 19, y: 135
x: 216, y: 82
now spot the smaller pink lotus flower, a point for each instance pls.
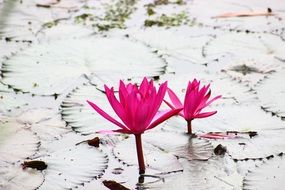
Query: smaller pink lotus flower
x: 138, y: 110
x: 195, y: 101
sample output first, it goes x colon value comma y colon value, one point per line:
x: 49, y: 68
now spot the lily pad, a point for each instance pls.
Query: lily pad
x: 70, y: 166
x: 182, y: 43
x: 154, y: 157
x: 234, y: 49
x: 181, y: 145
x: 47, y: 123
x: 24, y: 20
x: 80, y: 116
x: 24, y: 143
x: 267, y: 176
x: 76, y: 58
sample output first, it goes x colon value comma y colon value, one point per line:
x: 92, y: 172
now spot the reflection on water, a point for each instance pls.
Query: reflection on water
x: 5, y: 10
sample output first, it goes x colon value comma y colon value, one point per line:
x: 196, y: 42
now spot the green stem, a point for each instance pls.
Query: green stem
x: 189, y: 127
x: 140, y: 154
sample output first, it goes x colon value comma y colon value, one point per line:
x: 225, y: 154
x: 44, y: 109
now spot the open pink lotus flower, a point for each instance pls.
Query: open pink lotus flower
x: 195, y: 101
x: 137, y: 108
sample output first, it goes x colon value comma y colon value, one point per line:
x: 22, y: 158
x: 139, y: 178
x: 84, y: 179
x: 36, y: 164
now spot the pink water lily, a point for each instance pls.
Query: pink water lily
x: 195, y: 101
x: 137, y: 108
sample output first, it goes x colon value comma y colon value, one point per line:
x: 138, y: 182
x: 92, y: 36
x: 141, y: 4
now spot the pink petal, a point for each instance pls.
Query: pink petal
x: 217, y: 136
x: 212, y: 100
x: 174, y: 99
x: 205, y: 114
x: 172, y: 107
x: 158, y: 99
x: 144, y: 86
x: 163, y: 117
x: 117, y: 107
x: 106, y: 116
x: 122, y: 93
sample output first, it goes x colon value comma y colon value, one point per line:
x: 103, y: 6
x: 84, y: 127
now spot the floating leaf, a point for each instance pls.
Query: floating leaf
x: 77, y: 57
x: 23, y: 20
x: 80, y: 116
x: 64, y: 31
x: 24, y: 143
x: 269, y: 175
x: 233, y: 49
x: 15, y: 178
x: 250, y: 72
x: 73, y: 166
x: 181, y: 145
x: 154, y: 157
x: 182, y: 43
x: 45, y: 122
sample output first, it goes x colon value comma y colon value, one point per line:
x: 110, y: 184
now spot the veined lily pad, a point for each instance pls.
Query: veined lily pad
x: 74, y: 58
x: 269, y: 175
x: 154, y: 157
x: 45, y: 122
x: 182, y: 43
x: 70, y: 165
x: 81, y: 116
x: 73, y: 167
x: 22, y: 142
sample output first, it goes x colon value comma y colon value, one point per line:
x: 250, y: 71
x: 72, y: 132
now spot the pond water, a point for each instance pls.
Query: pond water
x: 56, y: 54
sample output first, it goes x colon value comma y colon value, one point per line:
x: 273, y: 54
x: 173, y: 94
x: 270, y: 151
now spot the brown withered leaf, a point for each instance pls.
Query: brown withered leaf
x: 268, y: 12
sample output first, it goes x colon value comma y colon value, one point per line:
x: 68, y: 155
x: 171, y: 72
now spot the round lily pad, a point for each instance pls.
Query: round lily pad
x: 94, y: 58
